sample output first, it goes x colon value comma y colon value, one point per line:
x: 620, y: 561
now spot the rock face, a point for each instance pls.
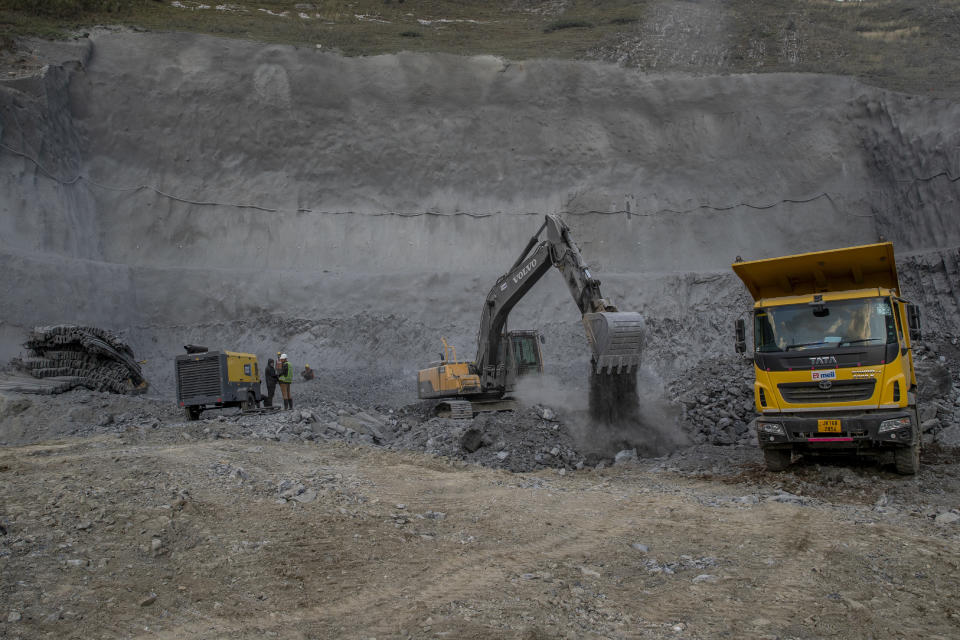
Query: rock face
x: 335, y: 230
x: 331, y: 221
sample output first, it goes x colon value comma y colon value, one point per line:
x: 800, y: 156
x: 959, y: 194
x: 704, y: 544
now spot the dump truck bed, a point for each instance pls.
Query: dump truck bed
x: 862, y: 267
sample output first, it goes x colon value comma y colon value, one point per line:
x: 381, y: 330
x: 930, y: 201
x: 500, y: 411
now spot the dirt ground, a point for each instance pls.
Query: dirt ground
x: 365, y: 215
x: 193, y: 530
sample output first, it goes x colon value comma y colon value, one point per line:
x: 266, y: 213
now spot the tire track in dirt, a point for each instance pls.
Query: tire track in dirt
x: 307, y: 571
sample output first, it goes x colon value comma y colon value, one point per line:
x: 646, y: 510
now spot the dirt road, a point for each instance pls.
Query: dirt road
x: 175, y: 533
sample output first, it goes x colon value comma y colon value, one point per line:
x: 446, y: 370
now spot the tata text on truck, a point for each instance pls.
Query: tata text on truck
x: 832, y: 360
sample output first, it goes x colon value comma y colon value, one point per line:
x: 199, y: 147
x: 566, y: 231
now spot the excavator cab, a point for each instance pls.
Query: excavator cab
x: 524, y: 357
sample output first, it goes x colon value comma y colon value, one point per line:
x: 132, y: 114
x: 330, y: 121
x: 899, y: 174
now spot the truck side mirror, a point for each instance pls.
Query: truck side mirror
x: 543, y: 340
x: 741, y: 335
x: 913, y: 322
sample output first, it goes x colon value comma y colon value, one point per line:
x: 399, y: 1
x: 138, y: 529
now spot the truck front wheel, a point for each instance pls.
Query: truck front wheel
x: 776, y: 459
x: 907, y: 459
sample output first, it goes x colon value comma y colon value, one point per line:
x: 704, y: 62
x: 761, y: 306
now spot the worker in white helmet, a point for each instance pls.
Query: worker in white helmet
x: 285, y: 376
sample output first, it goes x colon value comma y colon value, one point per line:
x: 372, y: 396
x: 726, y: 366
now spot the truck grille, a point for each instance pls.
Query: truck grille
x: 839, y: 391
x: 199, y: 377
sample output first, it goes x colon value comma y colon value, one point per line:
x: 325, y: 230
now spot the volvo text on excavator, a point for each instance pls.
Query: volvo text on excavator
x: 615, y: 337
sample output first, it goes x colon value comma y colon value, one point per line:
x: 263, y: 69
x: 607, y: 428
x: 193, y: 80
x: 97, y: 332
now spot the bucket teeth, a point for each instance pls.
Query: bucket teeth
x: 616, y: 339
x: 455, y: 409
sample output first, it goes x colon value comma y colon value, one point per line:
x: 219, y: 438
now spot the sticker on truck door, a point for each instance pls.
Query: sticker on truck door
x: 824, y: 375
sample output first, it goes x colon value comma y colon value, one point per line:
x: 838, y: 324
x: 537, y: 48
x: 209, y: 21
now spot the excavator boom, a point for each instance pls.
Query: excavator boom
x: 615, y: 337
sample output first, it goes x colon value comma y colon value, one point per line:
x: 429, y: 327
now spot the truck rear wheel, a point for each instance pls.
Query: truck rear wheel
x: 907, y: 460
x: 776, y: 459
x: 192, y: 413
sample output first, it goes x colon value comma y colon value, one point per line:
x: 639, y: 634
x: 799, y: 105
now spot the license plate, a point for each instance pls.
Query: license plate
x: 828, y: 426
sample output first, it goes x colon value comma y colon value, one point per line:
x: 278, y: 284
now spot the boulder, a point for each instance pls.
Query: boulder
x: 362, y: 423
x: 928, y: 411
x: 369, y: 420
x: 471, y: 440
x: 724, y: 438
x: 929, y: 425
x: 947, y: 517
x: 547, y: 414
x: 949, y: 437
x: 933, y: 379
x: 309, y: 495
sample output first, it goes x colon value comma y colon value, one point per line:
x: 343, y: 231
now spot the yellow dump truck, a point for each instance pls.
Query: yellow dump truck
x: 832, y: 359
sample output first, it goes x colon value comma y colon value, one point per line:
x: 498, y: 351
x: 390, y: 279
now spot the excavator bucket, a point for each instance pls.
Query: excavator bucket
x: 616, y: 339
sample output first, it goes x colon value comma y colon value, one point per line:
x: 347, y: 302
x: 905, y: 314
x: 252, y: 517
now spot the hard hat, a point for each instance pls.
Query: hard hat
x: 306, y: 366
x: 283, y: 356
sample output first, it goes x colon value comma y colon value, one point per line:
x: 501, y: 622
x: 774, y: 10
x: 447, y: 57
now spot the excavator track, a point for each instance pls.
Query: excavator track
x: 455, y: 410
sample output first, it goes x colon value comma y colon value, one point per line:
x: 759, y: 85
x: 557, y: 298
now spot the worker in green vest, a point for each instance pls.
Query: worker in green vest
x: 285, y: 376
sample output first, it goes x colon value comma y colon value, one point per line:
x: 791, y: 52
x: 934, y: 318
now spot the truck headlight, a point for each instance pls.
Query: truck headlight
x: 895, y: 423
x: 771, y: 427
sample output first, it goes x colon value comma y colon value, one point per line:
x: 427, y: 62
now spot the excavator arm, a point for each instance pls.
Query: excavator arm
x: 616, y: 338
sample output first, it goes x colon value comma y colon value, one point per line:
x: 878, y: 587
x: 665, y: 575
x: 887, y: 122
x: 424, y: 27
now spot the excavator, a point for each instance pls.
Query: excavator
x: 465, y: 388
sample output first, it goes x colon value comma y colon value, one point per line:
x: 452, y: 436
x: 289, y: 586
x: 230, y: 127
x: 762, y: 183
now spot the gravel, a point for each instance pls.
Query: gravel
x: 706, y: 411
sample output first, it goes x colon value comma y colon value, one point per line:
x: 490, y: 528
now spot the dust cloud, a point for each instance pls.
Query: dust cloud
x: 552, y: 392
x: 612, y: 412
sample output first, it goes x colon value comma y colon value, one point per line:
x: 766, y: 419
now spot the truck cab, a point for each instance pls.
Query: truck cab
x: 833, y: 366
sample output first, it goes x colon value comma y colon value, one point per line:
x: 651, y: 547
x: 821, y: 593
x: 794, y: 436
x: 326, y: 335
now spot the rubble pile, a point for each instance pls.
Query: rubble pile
x: 523, y: 440
x: 939, y: 402
x: 68, y: 356
x: 718, y: 403
x: 717, y: 399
